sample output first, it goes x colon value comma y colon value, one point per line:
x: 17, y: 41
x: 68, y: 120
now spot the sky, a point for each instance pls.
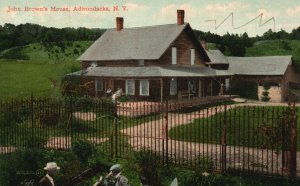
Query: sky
x: 205, y: 15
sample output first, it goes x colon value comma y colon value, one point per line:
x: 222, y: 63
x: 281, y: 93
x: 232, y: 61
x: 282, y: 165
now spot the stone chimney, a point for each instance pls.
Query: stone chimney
x: 119, y: 23
x: 204, y: 44
x: 180, y: 17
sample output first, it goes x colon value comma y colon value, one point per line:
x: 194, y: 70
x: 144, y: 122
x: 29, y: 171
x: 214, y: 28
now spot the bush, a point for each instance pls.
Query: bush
x: 123, y: 99
x: 49, y: 119
x: 35, y: 141
x: 83, y: 149
x: 148, y: 168
x: 15, y: 53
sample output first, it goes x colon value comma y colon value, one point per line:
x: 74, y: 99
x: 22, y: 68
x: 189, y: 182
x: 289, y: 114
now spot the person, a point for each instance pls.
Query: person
x: 117, y: 94
x: 108, y: 92
x: 117, y: 177
x: 52, y: 169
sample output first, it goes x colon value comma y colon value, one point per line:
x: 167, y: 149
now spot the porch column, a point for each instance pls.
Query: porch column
x: 95, y: 81
x: 161, y: 90
x: 200, y: 88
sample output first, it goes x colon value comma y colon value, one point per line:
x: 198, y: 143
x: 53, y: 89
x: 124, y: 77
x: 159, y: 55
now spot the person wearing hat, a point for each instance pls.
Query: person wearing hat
x: 116, y: 173
x: 51, y: 169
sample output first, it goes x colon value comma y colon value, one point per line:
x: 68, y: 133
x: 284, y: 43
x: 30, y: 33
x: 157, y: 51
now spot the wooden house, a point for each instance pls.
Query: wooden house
x: 151, y: 63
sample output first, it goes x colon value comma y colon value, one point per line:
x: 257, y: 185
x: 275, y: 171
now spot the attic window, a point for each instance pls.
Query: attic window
x: 141, y: 62
x: 192, y: 56
x: 94, y: 64
x: 174, y: 55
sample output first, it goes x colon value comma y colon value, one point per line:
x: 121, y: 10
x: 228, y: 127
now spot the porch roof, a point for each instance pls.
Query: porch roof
x: 151, y: 71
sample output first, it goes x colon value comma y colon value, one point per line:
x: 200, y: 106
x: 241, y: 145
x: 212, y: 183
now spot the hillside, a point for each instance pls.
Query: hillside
x: 276, y: 47
x: 47, y: 52
x: 38, y: 68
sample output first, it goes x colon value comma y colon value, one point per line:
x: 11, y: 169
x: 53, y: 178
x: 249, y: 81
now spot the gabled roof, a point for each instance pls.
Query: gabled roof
x: 148, y: 43
x: 216, y: 56
x: 151, y: 71
x: 267, y: 65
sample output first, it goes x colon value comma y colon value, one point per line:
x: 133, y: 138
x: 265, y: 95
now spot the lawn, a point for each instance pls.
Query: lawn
x: 22, y: 78
x: 246, y: 126
x: 32, y: 69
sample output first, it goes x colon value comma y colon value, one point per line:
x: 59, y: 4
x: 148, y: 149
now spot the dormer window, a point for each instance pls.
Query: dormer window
x: 94, y: 64
x: 141, y: 62
x: 192, y: 56
x: 174, y: 55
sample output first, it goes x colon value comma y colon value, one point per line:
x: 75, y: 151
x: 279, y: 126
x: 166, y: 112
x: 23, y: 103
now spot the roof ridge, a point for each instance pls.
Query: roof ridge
x: 150, y: 26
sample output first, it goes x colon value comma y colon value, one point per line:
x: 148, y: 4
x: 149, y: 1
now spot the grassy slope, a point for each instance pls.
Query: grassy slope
x: 275, y: 47
x: 20, y: 78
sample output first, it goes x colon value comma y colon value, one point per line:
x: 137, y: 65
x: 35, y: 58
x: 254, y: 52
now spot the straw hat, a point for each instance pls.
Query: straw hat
x: 51, y: 166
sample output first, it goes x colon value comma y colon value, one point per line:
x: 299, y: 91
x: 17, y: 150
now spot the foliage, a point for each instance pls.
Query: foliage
x: 265, y: 93
x: 83, y: 149
x: 35, y: 141
x: 124, y: 98
x: 15, y: 53
x: 24, y: 34
x: 69, y: 88
x: 148, y: 167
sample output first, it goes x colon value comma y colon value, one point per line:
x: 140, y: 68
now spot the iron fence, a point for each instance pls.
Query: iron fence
x: 220, y: 137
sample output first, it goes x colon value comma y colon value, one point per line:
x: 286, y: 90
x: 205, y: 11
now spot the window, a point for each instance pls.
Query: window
x: 192, y: 56
x: 94, y: 64
x: 173, y: 87
x: 99, y: 85
x: 174, y: 56
x: 144, y: 87
x: 227, y: 84
x: 130, y: 87
x: 141, y: 62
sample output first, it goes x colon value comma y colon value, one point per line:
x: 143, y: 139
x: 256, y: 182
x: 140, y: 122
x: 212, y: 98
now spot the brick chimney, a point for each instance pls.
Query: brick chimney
x: 119, y: 23
x: 180, y: 17
x: 204, y: 44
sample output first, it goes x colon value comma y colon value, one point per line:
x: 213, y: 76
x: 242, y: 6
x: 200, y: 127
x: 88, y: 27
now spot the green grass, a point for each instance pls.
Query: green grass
x: 21, y: 79
x: 31, y: 69
x: 277, y: 48
x: 242, y: 127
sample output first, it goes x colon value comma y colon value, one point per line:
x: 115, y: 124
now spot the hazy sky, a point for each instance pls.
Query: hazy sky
x: 199, y: 13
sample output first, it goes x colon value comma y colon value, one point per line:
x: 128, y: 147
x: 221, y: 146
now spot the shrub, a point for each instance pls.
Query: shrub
x: 49, y: 119
x: 83, y: 149
x: 148, y: 167
x: 123, y: 99
x: 265, y: 93
x: 34, y: 141
x: 15, y: 53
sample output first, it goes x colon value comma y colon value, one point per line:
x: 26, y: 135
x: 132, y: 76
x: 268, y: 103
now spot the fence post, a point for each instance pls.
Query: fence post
x: 223, y: 142
x: 166, y: 133
x: 71, y: 120
x: 293, y: 148
x: 32, y: 119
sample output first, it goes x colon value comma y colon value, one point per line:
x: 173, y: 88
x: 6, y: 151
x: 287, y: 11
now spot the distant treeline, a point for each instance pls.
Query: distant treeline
x: 235, y: 44
x: 230, y: 44
x: 23, y: 34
